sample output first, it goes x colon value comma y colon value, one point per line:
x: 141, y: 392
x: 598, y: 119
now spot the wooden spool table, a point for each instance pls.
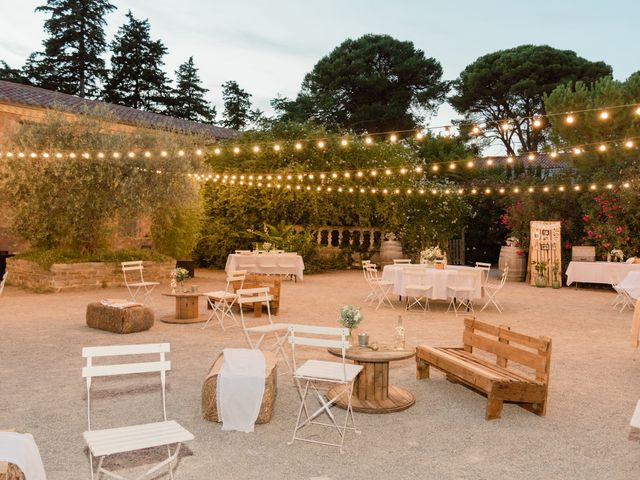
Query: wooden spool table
x: 372, y: 392
x: 186, y: 308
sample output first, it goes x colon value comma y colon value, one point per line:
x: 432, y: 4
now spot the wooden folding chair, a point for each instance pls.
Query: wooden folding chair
x: 103, y: 443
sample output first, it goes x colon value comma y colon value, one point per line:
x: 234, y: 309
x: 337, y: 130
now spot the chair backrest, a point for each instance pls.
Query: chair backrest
x: 302, y: 335
x: 401, y: 261
x: 371, y: 272
x: 486, y: 269
x: 505, y: 274
x: 252, y: 295
x: 134, y: 269
x: 90, y: 371
x: 3, y: 281
x: 235, y: 276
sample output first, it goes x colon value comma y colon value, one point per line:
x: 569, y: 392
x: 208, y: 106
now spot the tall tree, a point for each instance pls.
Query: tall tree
x: 374, y: 83
x: 237, y: 106
x: 188, y: 97
x: 71, y: 61
x: 136, y: 78
x: 509, y: 85
x: 11, y: 74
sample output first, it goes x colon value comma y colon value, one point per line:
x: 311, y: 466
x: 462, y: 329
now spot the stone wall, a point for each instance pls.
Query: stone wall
x: 78, y: 276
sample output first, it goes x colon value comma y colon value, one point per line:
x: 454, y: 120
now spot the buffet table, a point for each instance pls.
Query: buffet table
x: 599, y: 272
x: 271, y: 263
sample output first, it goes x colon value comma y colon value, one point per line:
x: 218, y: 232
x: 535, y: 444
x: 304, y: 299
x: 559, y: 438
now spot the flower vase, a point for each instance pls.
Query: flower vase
x: 173, y: 290
x: 181, y: 287
x: 541, y: 281
x: 556, y: 283
x: 350, y: 337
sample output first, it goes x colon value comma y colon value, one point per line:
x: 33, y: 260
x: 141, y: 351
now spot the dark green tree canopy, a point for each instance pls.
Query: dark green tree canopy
x: 237, y: 106
x: 136, y: 78
x: 373, y: 83
x: 71, y: 61
x: 11, y: 74
x: 188, y: 97
x: 510, y: 84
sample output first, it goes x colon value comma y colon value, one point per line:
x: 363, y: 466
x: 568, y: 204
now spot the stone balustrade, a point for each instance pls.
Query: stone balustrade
x: 77, y: 276
x: 356, y: 238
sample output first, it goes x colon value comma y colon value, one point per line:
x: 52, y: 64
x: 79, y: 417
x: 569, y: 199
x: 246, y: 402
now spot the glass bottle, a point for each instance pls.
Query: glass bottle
x: 398, y: 336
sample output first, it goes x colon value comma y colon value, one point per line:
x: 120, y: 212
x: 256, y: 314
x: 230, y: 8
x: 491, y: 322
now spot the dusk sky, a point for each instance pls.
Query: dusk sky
x: 268, y: 46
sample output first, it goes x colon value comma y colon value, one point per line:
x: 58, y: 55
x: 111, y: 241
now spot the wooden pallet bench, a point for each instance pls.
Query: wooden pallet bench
x: 493, y: 377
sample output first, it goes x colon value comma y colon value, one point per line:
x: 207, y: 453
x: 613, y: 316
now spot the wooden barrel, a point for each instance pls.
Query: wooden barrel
x: 517, y: 263
x: 390, y: 250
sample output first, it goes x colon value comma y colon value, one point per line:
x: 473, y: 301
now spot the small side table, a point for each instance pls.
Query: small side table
x: 186, y: 308
x: 372, y: 392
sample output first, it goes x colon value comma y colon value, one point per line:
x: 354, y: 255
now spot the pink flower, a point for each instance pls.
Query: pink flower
x: 598, y: 236
x: 519, y: 252
x: 618, y: 230
x: 585, y: 218
x: 605, y: 245
x: 590, y: 233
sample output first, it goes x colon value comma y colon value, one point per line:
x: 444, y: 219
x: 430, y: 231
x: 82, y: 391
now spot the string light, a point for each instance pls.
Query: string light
x: 602, y: 148
x: 604, y: 115
x: 569, y: 119
x: 393, y: 138
x: 537, y: 123
x: 447, y: 132
x: 368, y: 140
x: 476, y: 130
x: 298, y: 146
x: 344, y: 142
x: 277, y: 147
x: 419, y: 136
x: 256, y: 148
x: 321, y: 144
x: 628, y: 144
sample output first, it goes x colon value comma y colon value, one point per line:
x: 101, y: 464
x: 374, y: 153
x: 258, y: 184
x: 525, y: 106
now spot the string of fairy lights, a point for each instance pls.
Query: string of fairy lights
x: 326, y: 181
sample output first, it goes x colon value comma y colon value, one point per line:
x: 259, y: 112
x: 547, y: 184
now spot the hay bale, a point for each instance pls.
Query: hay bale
x: 9, y: 471
x: 119, y: 320
x: 210, y: 387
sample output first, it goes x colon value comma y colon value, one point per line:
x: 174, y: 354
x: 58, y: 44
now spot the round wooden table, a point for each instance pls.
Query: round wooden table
x: 186, y: 308
x: 372, y: 392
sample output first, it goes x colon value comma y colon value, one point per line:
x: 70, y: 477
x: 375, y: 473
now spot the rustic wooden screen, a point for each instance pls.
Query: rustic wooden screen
x: 544, y: 246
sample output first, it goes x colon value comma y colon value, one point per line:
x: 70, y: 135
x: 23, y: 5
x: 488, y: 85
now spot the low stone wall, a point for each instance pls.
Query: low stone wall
x: 78, y: 276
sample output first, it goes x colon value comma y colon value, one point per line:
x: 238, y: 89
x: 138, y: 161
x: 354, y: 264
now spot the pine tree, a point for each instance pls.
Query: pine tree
x: 237, y: 106
x: 11, y: 74
x: 188, y: 96
x: 71, y: 61
x: 136, y: 78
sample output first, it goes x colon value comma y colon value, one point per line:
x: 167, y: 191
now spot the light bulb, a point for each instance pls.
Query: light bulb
x: 181, y: 152
x: 604, y: 115
x: 419, y: 136
x: 256, y: 149
x: 576, y: 188
x: 418, y: 169
x: 475, y: 130
x: 198, y: 152
x: 216, y: 151
x: 452, y: 166
x: 516, y: 190
x: 602, y: 148
x: 163, y: 153
x: 629, y: 144
x: 470, y: 164
x: 387, y: 172
x: 344, y: 142
x: 531, y: 157
x: 368, y: 140
x: 403, y: 171
x: 447, y: 132
x: 320, y: 144
x: 298, y: 146
x: 537, y: 123
x: 509, y: 159
x: 276, y: 147
x: 569, y: 119
x: 435, y: 168
x: 489, y: 162
x: 393, y: 138
x: 505, y: 127
x: 373, y: 173
x: 236, y: 150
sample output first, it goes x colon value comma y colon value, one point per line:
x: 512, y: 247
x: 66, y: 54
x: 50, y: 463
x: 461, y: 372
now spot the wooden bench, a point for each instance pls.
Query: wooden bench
x: 492, y: 376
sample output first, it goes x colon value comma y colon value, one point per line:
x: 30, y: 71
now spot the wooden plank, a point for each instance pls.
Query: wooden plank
x: 506, y: 373
x: 378, y: 394
x: 514, y: 354
x: 370, y: 375
x: 500, y: 360
x: 422, y: 369
x: 528, y: 341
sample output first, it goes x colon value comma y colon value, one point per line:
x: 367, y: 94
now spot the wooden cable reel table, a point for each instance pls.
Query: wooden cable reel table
x: 186, y: 308
x: 372, y: 392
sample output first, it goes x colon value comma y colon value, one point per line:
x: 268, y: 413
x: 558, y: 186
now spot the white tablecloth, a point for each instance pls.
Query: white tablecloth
x: 438, y: 279
x: 599, y: 272
x: 631, y: 284
x: 278, y: 263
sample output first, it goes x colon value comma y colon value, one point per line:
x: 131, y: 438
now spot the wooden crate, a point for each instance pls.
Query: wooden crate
x: 583, y: 254
x: 255, y: 280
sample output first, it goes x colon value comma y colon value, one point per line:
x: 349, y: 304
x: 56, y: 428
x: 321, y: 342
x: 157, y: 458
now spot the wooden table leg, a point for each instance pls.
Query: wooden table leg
x: 186, y: 307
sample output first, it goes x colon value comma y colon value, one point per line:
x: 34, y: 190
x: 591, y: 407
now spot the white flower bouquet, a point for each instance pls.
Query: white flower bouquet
x: 350, y: 316
x: 430, y: 255
x: 390, y: 236
x: 617, y: 255
x: 180, y: 275
x: 266, y: 246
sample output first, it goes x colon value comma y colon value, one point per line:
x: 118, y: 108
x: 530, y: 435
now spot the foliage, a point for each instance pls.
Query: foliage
x: 74, y: 203
x: 11, y: 74
x: 176, y: 230
x: 72, y: 58
x: 136, y: 78
x: 233, y: 212
x: 188, y: 97
x: 47, y: 257
x: 374, y: 83
x: 237, y: 106
x: 540, y: 267
x: 510, y: 84
x: 180, y: 274
x: 350, y: 316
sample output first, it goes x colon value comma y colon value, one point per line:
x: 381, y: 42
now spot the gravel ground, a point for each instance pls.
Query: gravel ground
x: 594, y: 387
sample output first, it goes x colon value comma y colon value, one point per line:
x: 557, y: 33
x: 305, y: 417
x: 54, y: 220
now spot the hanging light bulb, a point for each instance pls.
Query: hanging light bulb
x: 628, y: 144
x: 344, y: 142
x: 570, y: 119
x: 393, y: 138
x: 531, y: 157
x: 602, y: 148
x: 447, y: 132
x: 435, y: 168
x: 452, y: 166
x: 419, y: 136
x: 321, y: 144
x: 638, y: 110
x: 604, y: 115
x: 277, y: 147
x: 505, y: 127
x: 475, y: 130
x: 256, y: 149
x: 198, y: 152
x: 368, y: 140
x: 236, y: 150
x: 298, y: 146
x: 537, y: 123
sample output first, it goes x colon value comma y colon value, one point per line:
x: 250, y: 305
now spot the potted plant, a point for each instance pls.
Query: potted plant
x: 178, y: 276
x: 541, y: 270
x: 555, y: 279
x: 350, y: 317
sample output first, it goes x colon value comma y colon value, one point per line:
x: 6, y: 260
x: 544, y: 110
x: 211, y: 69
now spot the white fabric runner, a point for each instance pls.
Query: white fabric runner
x: 21, y: 450
x: 240, y: 388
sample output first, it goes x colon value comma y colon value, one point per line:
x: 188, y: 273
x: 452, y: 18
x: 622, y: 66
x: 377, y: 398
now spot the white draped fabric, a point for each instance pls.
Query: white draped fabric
x: 599, y: 272
x: 631, y: 284
x: 240, y: 388
x: 438, y: 279
x: 278, y: 263
x: 21, y: 450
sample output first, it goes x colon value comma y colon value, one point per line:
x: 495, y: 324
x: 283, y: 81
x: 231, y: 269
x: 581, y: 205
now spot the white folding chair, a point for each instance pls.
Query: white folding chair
x: 288, y: 266
x: 417, y: 289
x: 623, y: 299
x: 492, y: 291
x: 4, y: 280
x: 461, y: 290
x: 401, y: 261
x: 486, y: 270
x: 135, y: 282
x: 103, y: 443
x: 313, y: 374
x: 221, y: 301
x: 261, y: 294
x: 379, y: 287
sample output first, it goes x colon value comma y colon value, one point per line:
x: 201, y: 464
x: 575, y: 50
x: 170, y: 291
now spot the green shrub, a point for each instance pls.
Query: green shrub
x: 46, y: 258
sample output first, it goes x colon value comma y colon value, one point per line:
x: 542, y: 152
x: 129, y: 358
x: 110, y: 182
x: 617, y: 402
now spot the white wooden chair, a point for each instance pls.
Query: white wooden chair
x: 461, y: 290
x: 366, y: 263
x: 3, y: 281
x: 380, y: 288
x: 401, y: 261
x: 135, y: 282
x: 486, y: 270
x: 416, y: 288
x: 313, y: 374
x: 276, y: 330
x: 103, y: 443
x: 221, y: 301
x: 492, y: 290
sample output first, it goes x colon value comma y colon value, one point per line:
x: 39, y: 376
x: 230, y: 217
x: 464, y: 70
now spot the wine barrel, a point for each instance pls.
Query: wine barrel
x: 517, y: 263
x: 390, y: 250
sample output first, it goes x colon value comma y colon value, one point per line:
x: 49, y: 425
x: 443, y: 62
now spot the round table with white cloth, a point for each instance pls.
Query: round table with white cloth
x: 439, y: 280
